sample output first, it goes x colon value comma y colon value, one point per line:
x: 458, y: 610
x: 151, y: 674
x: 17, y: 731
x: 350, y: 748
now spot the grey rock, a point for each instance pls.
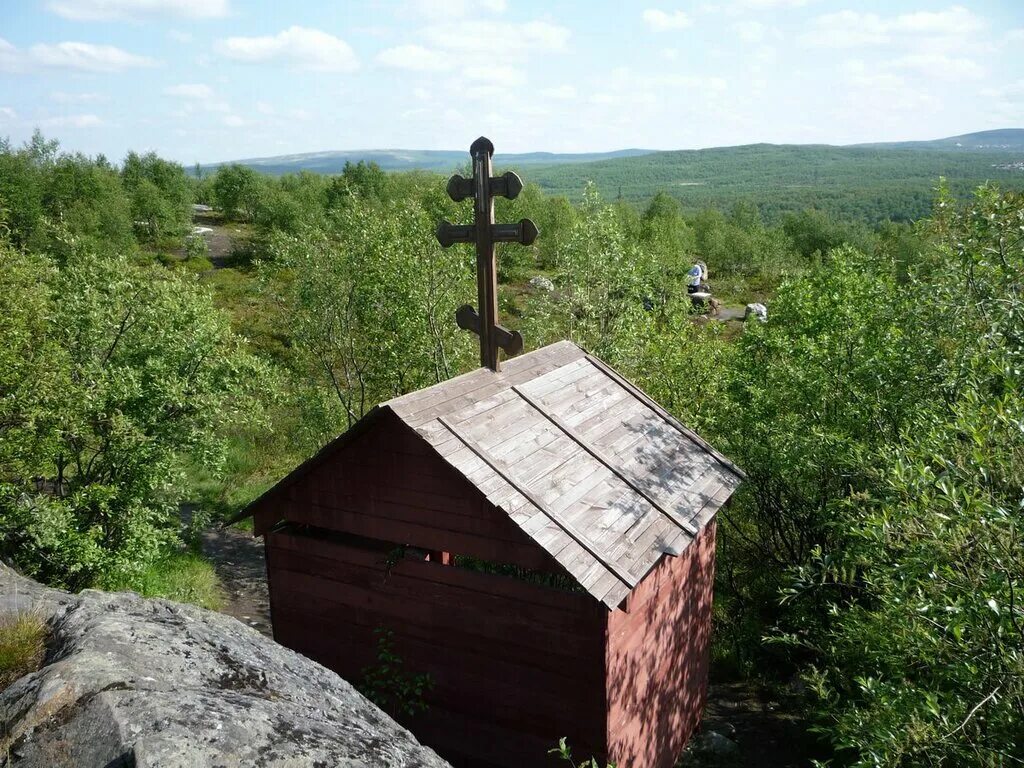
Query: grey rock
x: 757, y: 311
x: 541, y: 283
x: 714, y: 743
x: 129, y: 681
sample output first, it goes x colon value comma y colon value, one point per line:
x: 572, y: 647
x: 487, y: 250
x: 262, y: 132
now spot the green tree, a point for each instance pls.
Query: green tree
x: 237, y: 191
x: 371, y: 298
x: 115, y: 377
x: 161, y: 196
x: 922, y: 662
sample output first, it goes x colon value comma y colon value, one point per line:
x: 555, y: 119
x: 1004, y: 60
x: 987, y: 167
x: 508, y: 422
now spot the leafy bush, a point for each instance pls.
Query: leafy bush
x: 878, y: 414
x: 113, y: 377
x: 389, y: 685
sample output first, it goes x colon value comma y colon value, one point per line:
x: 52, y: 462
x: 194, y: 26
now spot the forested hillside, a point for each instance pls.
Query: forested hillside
x: 406, y: 160
x: 865, y: 183
x: 872, y: 564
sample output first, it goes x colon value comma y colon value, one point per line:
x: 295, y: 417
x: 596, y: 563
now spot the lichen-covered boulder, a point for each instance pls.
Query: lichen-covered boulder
x: 129, y: 681
x: 541, y: 284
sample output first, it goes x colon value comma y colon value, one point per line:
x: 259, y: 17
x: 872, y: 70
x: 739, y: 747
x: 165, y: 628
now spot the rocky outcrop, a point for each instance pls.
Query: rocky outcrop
x: 129, y: 681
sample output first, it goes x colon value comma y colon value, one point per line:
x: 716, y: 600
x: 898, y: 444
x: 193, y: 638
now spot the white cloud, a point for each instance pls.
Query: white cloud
x: 304, y: 48
x: 233, y: 121
x: 10, y: 58
x: 858, y: 75
x: 955, y: 20
x: 480, y: 36
x: 72, y: 121
x: 449, y: 9
x: 62, y: 97
x: 421, y: 93
x: 602, y: 98
x: 560, y: 93
x: 416, y: 58
x: 670, y: 54
x: 768, y: 5
x: 939, y: 66
x: 196, y: 91
x: 495, y: 74
x: 85, y: 57
x: 179, y: 37
x: 661, y: 21
x: 1009, y: 91
x: 750, y: 31
x: 111, y: 10
x: 852, y: 29
x: 713, y: 84
x: 6, y: 114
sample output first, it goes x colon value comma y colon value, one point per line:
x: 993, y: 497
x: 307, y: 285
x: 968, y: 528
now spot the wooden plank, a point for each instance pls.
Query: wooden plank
x: 424, y: 535
x: 579, y: 537
x: 445, y: 397
x: 570, y: 660
x: 562, y: 376
x: 457, y: 578
x: 642, y: 396
x: 603, y: 459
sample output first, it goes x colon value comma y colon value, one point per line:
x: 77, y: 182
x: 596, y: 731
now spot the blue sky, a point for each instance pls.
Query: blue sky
x: 206, y: 80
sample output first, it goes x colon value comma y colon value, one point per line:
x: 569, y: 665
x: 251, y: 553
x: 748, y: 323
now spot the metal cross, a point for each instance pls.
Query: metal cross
x: 485, y: 233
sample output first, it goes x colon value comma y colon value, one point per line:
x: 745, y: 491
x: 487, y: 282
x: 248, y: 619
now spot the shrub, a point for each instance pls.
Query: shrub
x: 388, y: 684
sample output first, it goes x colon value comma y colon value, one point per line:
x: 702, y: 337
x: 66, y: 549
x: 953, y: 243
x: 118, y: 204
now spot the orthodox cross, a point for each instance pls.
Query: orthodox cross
x: 485, y: 233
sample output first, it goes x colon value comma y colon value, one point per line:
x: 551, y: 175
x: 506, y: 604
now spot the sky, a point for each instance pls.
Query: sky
x: 214, y: 80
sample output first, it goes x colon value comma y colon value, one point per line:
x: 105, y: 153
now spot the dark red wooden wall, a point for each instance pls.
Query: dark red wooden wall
x: 657, y: 658
x: 515, y: 666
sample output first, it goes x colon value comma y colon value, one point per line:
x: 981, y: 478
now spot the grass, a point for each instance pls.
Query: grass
x: 185, y: 577
x: 22, y: 646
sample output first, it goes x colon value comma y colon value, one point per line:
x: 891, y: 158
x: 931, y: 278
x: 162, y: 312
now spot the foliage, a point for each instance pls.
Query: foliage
x: 196, y: 248
x: 370, y: 297
x: 161, y: 197
x: 113, y: 377
x: 22, y: 646
x: 237, y: 190
x: 876, y: 544
x: 389, y: 685
x: 602, y: 280
x: 923, y: 662
x: 564, y: 753
x: 879, y: 418
x: 853, y: 184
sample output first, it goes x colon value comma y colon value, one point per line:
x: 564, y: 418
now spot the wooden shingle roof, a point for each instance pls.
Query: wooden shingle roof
x: 581, y: 460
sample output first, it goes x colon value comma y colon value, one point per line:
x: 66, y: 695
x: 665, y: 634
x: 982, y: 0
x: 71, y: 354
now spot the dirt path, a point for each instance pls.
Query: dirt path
x: 766, y: 731
x: 219, y: 240
x: 237, y: 557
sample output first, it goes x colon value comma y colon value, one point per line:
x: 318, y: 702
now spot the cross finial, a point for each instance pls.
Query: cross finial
x: 485, y: 233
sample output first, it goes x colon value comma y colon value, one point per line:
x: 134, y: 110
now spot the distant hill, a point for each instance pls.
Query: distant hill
x: 871, y: 182
x: 411, y: 159
x: 1002, y: 140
